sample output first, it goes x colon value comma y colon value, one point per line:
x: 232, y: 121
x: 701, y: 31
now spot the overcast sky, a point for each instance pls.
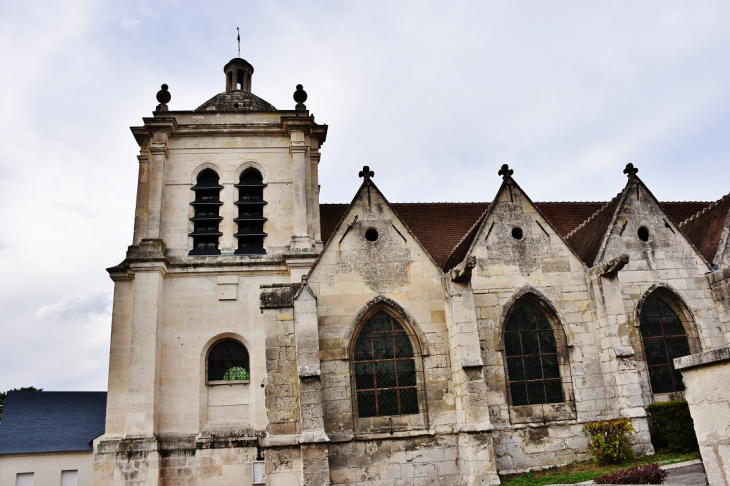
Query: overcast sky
x: 434, y: 96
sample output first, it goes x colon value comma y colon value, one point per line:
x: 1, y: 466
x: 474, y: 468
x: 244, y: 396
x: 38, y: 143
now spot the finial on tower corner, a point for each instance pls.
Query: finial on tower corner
x: 505, y: 171
x: 366, y: 173
x: 630, y: 170
x: 164, y: 97
x: 300, y: 96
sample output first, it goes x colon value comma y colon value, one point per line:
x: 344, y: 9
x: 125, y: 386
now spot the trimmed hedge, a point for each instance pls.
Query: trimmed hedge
x: 671, y: 426
x: 649, y: 473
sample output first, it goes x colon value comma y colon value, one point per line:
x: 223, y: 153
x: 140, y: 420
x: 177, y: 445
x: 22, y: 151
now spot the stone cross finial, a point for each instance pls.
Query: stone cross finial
x: 366, y: 173
x: 505, y: 171
x: 630, y: 170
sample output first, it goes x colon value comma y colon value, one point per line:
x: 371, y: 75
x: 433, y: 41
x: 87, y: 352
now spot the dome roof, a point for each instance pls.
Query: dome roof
x: 232, y: 101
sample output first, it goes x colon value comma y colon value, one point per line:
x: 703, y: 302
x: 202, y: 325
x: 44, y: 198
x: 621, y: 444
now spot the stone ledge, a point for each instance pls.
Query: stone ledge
x: 719, y: 275
x: 701, y: 359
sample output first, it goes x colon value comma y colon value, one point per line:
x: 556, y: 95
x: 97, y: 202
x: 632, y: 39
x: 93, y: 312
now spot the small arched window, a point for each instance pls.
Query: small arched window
x: 664, y: 337
x: 532, y: 354
x: 207, y: 216
x: 250, y: 214
x: 385, y: 369
x: 228, y: 361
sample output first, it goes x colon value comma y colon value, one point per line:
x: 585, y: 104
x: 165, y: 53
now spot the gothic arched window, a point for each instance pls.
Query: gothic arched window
x: 664, y: 337
x: 207, y: 216
x: 385, y: 369
x: 228, y: 361
x: 250, y: 214
x: 532, y: 355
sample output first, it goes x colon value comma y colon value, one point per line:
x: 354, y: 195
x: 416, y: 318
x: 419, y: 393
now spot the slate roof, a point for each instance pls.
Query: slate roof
x: 705, y: 227
x: 34, y: 422
x: 233, y: 101
x: 440, y: 227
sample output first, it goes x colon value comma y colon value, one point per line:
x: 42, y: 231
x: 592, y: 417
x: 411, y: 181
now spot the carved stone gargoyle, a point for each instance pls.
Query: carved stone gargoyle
x: 462, y: 272
x: 613, y: 266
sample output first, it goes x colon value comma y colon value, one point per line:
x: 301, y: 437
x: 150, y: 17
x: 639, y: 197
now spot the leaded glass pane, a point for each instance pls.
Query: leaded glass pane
x: 553, y: 391
x: 516, y: 369
x: 385, y: 374
x: 363, y: 348
x: 403, y: 348
x: 388, y: 402
x: 364, y: 376
x: 519, y: 393
x: 512, y: 343
x: 408, y: 401
x: 547, y: 342
x: 366, y: 404
x: 406, y: 372
x: 536, y: 392
x: 550, y: 366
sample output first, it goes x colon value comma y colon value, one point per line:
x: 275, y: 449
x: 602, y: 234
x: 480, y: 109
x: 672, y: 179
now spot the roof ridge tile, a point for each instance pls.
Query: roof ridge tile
x: 591, y: 217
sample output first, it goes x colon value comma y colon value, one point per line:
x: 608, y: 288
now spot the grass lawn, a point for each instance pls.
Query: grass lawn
x: 588, y: 470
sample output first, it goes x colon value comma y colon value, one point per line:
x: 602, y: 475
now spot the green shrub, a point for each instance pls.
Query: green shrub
x: 610, y: 440
x: 671, y: 426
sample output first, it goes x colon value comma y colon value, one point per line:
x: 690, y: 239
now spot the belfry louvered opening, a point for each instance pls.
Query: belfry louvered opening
x: 207, y: 217
x: 250, y: 218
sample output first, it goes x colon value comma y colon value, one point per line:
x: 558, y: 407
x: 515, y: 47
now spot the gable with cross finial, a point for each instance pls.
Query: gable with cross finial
x: 366, y: 173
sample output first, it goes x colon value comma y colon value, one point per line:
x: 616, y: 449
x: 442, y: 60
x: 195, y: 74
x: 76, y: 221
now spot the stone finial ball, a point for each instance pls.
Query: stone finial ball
x: 300, y: 96
x: 163, y: 96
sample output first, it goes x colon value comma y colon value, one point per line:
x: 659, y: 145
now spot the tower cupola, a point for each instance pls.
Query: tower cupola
x: 238, y: 75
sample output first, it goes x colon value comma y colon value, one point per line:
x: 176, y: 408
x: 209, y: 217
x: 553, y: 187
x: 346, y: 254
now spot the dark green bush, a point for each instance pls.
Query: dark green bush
x: 649, y: 473
x: 610, y: 440
x: 671, y: 426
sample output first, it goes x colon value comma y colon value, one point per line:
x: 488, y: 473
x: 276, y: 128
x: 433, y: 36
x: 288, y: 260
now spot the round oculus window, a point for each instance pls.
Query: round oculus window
x: 371, y: 234
x: 643, y: 233
x: 517, y: 233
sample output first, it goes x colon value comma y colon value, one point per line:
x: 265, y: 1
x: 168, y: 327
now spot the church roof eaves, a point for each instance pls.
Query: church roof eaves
x: 706, y: 228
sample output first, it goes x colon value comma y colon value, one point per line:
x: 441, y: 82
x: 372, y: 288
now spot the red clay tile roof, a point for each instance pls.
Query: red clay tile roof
x: 566, y: 216
x: 679, y: 211
x: 704, y: 229
x: 441, y: 226
x: 586, y: 239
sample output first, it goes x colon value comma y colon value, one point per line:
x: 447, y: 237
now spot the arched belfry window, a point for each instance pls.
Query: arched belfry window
x: 533, y: 356
x: 385, y: 369
x: 250, y: 214
x: 664, y: 337
x: 228, y: 361
x: 207, y: 216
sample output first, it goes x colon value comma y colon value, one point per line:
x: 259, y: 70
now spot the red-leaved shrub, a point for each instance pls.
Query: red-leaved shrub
x: 643, y: 474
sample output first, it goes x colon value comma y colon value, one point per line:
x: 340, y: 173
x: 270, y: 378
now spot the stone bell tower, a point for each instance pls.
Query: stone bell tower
x: 227, y: 200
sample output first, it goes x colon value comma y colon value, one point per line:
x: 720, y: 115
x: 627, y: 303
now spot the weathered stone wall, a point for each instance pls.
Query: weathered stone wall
x: 706, y: 377
x: 353, y: 277
x: 540, y: 265
x: 665, y: 262
x: 719, y: 281
x: 427, y: 460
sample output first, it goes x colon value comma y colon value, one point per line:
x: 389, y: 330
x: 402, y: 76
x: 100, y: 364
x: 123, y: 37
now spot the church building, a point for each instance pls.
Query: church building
x: 260, y: 337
